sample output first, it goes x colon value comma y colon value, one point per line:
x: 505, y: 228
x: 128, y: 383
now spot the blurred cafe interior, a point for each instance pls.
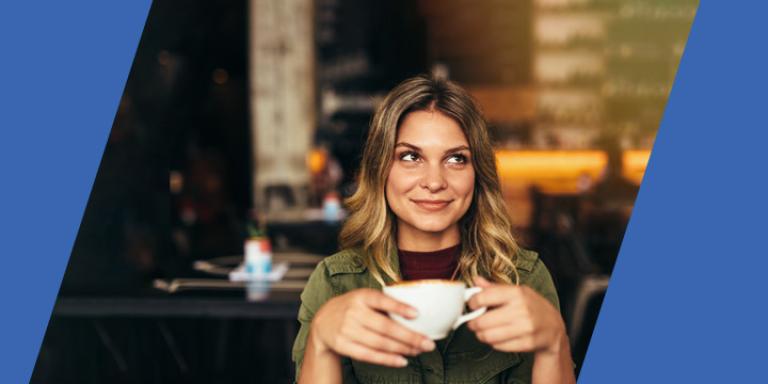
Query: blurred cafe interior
x: 250, y: 115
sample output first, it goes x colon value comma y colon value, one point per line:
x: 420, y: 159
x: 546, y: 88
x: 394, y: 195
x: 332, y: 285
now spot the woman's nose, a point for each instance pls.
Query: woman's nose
x: 433, y: 179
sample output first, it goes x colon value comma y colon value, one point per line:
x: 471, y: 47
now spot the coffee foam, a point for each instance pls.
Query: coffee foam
x: 424, y: 282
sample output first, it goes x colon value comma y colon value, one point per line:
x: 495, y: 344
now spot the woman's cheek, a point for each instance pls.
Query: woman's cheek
x: 464, y: 183
x: 404, y: 182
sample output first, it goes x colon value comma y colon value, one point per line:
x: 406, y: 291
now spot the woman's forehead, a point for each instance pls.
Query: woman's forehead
x: 431, y: 128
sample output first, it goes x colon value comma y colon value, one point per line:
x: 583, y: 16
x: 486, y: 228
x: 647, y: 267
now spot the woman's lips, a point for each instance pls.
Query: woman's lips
x: 432, y: 205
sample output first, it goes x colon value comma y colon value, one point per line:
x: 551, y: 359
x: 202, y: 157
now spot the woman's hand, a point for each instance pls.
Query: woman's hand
x: 355, y: 325
x: 518, y: 319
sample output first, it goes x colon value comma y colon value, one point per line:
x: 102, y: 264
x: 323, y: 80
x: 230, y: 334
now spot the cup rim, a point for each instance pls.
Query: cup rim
x: 406, y: 283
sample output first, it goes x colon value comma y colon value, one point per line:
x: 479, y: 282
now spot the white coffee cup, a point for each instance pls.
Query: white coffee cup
x: 440, y: 304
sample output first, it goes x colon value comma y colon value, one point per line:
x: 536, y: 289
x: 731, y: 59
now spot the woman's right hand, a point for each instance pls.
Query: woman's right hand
x: 355, y: 324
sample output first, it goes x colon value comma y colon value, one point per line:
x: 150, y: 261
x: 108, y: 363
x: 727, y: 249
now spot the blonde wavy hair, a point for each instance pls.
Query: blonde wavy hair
x: 487, y: 243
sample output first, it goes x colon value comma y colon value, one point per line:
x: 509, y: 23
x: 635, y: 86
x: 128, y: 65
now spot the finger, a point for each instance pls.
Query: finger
x: 482, y: 282
x: 362, y: 353
x: 520, y: 344
x: 494, y: 296
x: 382, y: 302
x: 506, y: 315
x: 499, y: 335
x: 385, y: 326
x: 382, y: 343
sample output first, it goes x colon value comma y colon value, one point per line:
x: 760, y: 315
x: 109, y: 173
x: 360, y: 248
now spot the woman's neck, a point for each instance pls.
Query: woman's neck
x: 411, y: 239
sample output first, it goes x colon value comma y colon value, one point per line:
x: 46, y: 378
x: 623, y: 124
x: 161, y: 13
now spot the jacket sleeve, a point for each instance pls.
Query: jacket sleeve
x: 317, y: 291
x: 541, y: 281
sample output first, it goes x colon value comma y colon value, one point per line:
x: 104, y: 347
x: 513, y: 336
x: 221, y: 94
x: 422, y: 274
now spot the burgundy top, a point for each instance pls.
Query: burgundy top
x: 429, y: 265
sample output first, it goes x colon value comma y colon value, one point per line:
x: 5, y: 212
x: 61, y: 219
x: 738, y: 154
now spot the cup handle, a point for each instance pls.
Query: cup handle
x: 468, y: 293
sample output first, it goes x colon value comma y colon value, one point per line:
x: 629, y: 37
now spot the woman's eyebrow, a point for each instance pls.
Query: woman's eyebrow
x: 411, y: 146
x: 417, y: 149
x: 456, y: 149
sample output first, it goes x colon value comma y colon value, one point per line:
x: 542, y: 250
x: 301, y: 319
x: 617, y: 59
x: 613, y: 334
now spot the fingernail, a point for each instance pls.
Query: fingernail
x: 402, y: 362
x: 412, y: 312
x: 427, y: 345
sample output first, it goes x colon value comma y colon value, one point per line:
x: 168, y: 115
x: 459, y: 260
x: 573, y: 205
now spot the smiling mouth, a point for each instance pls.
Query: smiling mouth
x: 432, y: 205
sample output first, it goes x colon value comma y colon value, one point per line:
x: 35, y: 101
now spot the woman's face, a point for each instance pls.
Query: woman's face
x: 431, y: 181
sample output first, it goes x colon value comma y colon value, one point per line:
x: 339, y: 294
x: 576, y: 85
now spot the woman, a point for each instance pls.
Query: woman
x: 429, y: 205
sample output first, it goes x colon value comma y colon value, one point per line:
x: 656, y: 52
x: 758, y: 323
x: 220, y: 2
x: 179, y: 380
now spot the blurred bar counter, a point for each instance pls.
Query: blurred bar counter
x: 277, y: 306
x: 563, y: 173
x: 213, y: 296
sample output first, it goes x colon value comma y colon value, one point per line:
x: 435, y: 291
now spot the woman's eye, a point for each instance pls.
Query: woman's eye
x: 409, y: 156
x: 457, y: 159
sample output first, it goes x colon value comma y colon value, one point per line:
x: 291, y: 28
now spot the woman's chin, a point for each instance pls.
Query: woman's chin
x: 429, y: 225
x: 432, y: 228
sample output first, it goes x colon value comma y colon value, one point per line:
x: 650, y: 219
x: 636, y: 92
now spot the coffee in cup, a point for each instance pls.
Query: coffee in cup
x: 440, y: 304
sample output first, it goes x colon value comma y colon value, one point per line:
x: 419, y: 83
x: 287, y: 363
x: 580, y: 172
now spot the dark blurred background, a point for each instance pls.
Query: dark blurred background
x: 254, y: 112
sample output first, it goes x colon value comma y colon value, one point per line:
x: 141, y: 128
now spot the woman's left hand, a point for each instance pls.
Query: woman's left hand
x: 518, y: 319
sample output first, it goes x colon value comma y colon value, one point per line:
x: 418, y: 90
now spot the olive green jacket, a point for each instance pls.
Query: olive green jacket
x: 460, y: 358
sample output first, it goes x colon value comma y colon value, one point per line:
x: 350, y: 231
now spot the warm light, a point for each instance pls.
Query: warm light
x: 316, y: 160
x: 551, y: 171
x: 220, y: 76
x: 176, y: 182
x: 563, y: 172
x: 634, y: 163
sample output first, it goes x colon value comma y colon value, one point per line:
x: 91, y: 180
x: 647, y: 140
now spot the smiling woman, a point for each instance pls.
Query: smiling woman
x: 429, y: 204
